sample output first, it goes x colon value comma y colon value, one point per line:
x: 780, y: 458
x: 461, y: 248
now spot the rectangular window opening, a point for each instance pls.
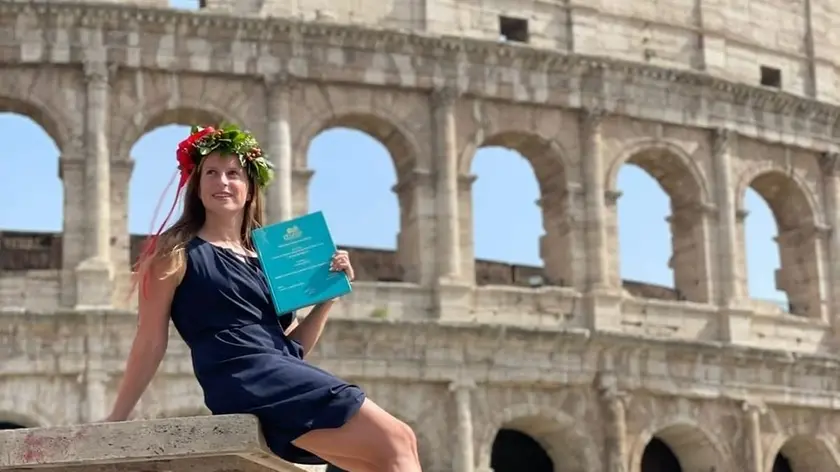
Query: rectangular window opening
x: 513, y: 29
x: 771, y: 77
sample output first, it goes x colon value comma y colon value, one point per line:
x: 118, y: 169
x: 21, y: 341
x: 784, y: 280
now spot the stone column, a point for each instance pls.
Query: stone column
x: 692, y: 226
x: 754, y: 452
x: 72, y: 173
x: 122, y: 258
x: 415, y: 245
x: 467, y: 241
x: 741, y: 215
x: 595, y: 191
x: 802, y: 251
x: 94, y: 273
x: 464, y: 449
x: 615, y: 429
x: 446, y: 166
x: 831, y: 182
x: 279, y: 148
x: 602, y: 286
x: 95, y: 378
x: 729, y: 291
x: 300, y: 190
x: 735, y: 317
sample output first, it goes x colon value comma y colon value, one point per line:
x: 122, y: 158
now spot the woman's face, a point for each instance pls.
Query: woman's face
x: 223, y: 184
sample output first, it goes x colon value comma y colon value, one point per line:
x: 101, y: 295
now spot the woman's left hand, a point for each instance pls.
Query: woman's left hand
x: 341, y: 262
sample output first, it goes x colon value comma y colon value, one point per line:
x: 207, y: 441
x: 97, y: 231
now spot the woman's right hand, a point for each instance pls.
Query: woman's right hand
x: 113, y: 419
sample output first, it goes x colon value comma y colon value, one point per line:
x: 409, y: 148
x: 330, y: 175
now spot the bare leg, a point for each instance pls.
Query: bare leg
x: 416, y: 452
x: 350, y: 465
x: 371, y: 437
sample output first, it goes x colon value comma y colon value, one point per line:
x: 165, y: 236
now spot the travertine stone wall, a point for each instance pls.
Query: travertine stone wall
x: 219, y: 444
x: 592, y: 400
x: 730, y: 39
x: 433, y: 102
x: 591, y: 365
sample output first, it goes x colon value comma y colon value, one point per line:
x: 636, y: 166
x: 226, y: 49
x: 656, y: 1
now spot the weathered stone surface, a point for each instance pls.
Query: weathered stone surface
x: 198, y: 444
x: 591, y: 366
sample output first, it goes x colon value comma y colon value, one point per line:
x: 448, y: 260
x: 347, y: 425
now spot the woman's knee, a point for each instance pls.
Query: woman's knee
x: 401, y: 441
x: 408, y: 435
x: 372, y: 436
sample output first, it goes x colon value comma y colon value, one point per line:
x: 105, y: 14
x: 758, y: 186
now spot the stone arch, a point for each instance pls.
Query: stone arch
x: 48, y: 118
x: 25, y: 420
x: 546, y: 156
x: 681, y: 178
x: 551, y: 167
x: 679, y: 167
x: 539, y: 150
x: 805, y: 453
x: 36, y: 110
x: 787, y: 194
x: 801, y: 234
x: 560, y: 435
x: 404, y: 150
x: 30, y: 90
x: 165, y: 114
x: 19, y: 408
x: 401, y: 144
x: 695, y: 447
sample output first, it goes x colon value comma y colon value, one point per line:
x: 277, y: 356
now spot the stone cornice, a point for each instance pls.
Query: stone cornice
x: 446, y: 48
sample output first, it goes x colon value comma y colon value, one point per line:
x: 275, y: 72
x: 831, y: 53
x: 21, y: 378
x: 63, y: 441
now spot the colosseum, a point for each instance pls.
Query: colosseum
x: 564, y: 367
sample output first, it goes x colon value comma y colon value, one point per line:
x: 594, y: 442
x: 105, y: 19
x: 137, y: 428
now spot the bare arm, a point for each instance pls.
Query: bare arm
x: 308, y: 331
x: 150, y: 342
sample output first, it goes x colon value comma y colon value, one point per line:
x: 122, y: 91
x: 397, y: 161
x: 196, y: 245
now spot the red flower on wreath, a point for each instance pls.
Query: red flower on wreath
x: 185, y: 153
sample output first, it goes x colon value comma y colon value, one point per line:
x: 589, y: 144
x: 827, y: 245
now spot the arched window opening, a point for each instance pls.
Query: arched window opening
x: 188, y: 4
x: 519, y: 204
x: 762, y: 251
x: 151, y: 191
x: 781, y: 464
x: 805, y: 453
x: 661, y: 228
x: 31, y: 177
x: 507, y: 220
x: 10, y: 425
x: 643, y: 233
x: 658, y: 457
x: 514, y: 451
x: 353, y: 184
x: 798, y: 239
x: 681, y: 447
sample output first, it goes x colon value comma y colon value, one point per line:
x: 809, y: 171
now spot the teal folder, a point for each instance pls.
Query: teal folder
x: 295, y: 256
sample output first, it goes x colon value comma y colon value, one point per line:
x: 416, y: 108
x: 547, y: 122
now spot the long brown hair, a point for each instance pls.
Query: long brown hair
x: 169, y: 247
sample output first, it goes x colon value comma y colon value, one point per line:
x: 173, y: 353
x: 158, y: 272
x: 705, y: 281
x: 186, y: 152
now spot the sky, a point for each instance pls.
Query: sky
x: 352, y: 186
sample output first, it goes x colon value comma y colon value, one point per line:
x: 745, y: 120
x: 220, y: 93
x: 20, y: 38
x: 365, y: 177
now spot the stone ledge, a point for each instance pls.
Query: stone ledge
x: 195, y: 444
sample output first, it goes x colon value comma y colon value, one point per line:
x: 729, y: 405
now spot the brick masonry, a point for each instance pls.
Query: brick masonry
x: 591, y: 366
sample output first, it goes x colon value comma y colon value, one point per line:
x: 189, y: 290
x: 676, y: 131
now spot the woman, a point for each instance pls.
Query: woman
x: 203, y: 274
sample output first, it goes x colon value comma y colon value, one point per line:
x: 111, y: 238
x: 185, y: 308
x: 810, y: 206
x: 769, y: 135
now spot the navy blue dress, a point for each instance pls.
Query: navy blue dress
x: 242, y: 358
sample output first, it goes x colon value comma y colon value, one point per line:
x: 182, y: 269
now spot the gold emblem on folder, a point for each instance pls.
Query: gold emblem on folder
x: 292, y: 233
